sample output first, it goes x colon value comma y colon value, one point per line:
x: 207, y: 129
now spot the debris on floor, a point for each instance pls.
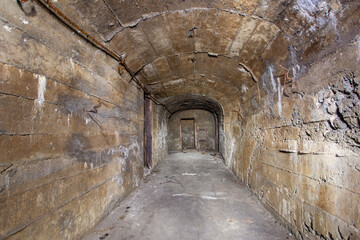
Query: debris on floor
x: 103, y: 236
x: 249, y: 221
x: 172, y: 179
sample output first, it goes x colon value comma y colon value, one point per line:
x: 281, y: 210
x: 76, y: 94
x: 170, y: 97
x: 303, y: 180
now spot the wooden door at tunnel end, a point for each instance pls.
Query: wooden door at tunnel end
x: 187, y: 133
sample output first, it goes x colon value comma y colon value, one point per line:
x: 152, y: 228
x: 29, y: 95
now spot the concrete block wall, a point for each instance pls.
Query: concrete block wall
x: 300, y: 154
x: 71, y: 128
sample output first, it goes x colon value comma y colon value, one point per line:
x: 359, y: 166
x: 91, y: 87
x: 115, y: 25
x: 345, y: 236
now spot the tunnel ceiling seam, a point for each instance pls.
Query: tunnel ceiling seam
x: 151, y: 15
x: 189, y: 11
x: 114, y: 14
x: 210, y: 55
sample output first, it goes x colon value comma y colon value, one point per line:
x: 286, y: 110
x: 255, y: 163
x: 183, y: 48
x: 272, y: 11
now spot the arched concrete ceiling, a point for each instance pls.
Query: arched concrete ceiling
x: 184, y: 102
x: 216, y: 48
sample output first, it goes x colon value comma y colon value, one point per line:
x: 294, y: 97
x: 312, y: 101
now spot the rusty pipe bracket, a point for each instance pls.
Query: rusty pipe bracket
x: 20, y: 3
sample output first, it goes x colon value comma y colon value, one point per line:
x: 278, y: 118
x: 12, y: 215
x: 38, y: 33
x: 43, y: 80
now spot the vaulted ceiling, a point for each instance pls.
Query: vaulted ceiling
x: 218, y: 49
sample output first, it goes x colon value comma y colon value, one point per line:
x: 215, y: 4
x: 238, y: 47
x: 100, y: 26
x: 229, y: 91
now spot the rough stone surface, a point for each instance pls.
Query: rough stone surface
x: 71, y: 129
x: 299, y: 153
x: 281, y: 77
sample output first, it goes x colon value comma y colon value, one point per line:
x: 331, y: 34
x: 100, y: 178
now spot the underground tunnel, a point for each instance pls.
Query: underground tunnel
x: 227, y: 119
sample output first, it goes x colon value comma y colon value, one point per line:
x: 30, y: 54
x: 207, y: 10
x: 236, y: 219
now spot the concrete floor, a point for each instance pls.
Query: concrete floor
x: 190, y: 196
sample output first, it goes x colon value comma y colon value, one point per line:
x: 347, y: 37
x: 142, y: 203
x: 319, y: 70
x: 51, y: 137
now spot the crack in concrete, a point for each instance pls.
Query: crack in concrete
x: 247, y: 69
x: 320, y: 181
x: 113, y: 12
x: 186, y: 11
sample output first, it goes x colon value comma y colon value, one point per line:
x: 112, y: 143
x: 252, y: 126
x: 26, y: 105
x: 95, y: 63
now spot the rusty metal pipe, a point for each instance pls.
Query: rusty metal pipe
x: 78, y: 29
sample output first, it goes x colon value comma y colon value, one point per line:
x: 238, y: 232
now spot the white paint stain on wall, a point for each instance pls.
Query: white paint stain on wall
x: 306, y: 8
x: 7, y: 28
x: 72, y: 64
x: 296, y: 69
x: 309, y: 8
x: 268, y: 80
x: 279, y: 97
x: 284, y: 208
x: 41, y: 90
x: 314, y: 11
x: 175, y: 82
x: 134, y: 146
x: 244, y: 89
x: 25, y: 21
x: 271, y: 69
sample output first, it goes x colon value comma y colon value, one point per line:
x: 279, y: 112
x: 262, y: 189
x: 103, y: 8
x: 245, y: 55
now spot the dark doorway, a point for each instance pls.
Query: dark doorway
x: 187, y: 131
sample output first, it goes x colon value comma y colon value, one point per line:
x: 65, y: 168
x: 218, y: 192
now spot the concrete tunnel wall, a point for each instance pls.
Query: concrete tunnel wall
x: 284, y: 73
x: 71, y: 129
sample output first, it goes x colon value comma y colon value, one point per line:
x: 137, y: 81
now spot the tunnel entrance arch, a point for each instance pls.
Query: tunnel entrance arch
x: 192, y: 129
x: 210, y: 133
